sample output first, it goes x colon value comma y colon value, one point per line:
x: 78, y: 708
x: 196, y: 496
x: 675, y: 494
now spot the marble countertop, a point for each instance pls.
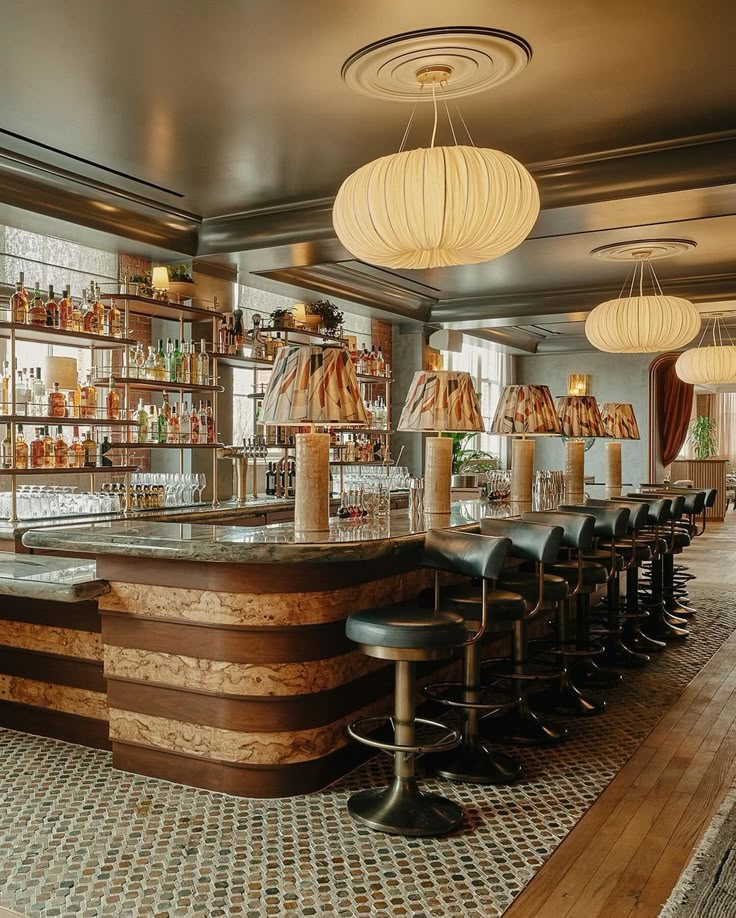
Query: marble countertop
x: 278, y: 543
x: 43, y: 577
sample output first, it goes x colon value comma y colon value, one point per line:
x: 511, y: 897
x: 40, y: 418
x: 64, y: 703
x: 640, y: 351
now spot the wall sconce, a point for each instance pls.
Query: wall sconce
x: 578, y: 384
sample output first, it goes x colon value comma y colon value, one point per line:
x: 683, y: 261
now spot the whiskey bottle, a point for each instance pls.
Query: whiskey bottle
x: 37, y: 310
x: 98, y: 307
x: 5, y: 388
x: 89, y: 446
x: 105, y: 448
x: 210, y: 423
x: 89, y: 399
x: 76, y: 451
x: 38, y: 458
x: 61, y: 450
x: 57, y: 402
x: 66, y: 311
x: 7, y: 449
x: 52, y: 310
x: 112, y: 402
x: 19, y: 305
x: 21, y: 449
x: 48, y: 449
x: 89, y: 316
x: 114, y: 321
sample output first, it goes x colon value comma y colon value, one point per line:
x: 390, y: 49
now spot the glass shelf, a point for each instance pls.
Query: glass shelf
x: 149, y: 445
x: 160, y: 309
x: 41, y: 334
x: 34, y: 420
x: 83, y: 470
x: 135, y: 382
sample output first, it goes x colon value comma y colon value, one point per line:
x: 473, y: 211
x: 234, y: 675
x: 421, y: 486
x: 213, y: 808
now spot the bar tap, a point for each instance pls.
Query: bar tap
x: 239, y: 457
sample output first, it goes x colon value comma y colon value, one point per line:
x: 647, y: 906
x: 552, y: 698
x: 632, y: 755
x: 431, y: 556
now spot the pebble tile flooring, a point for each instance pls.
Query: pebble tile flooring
x: 79, y: 838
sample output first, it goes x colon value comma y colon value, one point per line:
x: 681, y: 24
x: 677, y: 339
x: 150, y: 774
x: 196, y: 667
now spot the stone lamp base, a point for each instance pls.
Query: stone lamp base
x: 574, y: 470
x: 437, y: 474
x: 312, y: 485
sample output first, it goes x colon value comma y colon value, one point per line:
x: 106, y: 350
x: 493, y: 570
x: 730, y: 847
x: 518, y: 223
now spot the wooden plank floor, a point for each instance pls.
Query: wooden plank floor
x: 626, y: 854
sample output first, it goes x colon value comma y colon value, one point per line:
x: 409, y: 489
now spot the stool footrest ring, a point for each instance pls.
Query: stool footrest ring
x: 451, y: 695
x: 450, y: 739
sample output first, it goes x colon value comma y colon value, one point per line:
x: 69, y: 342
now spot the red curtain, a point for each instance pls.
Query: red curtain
x: 674, y: 400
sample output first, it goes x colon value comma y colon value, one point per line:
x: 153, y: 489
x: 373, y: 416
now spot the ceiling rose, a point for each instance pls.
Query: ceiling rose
x: 435, y: 206
x: 639, y: 322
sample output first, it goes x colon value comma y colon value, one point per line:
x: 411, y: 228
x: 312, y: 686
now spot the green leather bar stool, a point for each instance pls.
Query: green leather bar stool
x: 573, y: 642
x: 535, y: 546
x: 406, y: 635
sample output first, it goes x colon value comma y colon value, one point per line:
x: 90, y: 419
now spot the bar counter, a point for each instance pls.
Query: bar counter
x: 226, y: 664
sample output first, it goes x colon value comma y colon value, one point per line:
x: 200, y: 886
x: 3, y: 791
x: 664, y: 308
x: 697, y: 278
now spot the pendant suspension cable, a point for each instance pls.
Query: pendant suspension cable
x: 655, y: 281
x: 462, y: 121
x: 411, y: 119
x: 626, y: 281
x: 641, y: 279
x: 434, y: 102
x: 633, y: 279
x: 447, y: 111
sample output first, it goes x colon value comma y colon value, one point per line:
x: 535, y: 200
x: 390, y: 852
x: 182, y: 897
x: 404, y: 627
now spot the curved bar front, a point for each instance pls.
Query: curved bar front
x: 225, y: 654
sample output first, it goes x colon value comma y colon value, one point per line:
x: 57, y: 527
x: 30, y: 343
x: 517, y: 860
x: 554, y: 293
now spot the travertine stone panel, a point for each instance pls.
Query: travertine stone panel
x: 47, y: 639
x: 260, y: 608
x: 54, y: 697
x: 236, y: 678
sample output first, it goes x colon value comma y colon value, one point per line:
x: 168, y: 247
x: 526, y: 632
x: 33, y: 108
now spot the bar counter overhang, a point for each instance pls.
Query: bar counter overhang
x: 225, y: 658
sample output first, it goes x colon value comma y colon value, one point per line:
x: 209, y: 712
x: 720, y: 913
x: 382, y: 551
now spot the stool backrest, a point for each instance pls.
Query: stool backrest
x: 465, y: 553
x: 638, y: 510
x: 610, y: 522
x: 578, y: 531
x: 710, y: 496
x: 530, y: 541
x: 679, y: 502
x: 658, y: 508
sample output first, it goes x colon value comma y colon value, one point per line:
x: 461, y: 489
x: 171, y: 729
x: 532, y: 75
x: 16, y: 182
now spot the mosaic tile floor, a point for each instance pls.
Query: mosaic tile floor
x: 78, y: 838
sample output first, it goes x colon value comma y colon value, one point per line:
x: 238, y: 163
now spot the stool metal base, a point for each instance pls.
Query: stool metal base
x: 567, y: 699
x: 474, y: 763
x: 618, y: 653
x: 588, y: 673
x: 402, y: 809
x: 523, y: 727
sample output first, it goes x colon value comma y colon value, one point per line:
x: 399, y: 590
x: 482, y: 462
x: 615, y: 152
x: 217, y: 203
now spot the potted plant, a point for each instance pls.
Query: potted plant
x: 143, y: 284
x: 702, y: 437
x: 329, y: 317
x: 282, y: 318
x: 181, y: 282
x: 469, y: 464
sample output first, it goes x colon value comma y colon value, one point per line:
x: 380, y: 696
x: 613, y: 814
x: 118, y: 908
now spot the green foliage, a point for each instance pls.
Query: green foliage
x: 330, y: 315
x: 470, y: 461
x: 702, y: 437
x: 180, y: 273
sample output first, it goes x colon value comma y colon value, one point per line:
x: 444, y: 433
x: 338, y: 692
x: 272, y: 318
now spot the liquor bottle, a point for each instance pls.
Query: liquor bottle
x: 77, y: 316
x: 210, y: 423
x: 21, y: 449
x: 76, y: 451
x: 291, y: 479
x: 21, y: 394
x: 66, y: 311
x: 178, y: 364
x: 39, y: 394
x: 38, y: 459
x: 89, y: 317
x: 139, y: 361
x: 380, y: 363
x: 270, y: 480
x: 112, y: 402
x: 52, y: 309
x: 105, y: 448
x: 172, y: 427
x: 98, y: 307
x: 57, y: 403
x: 203, y: 364
x: 152, y: 424
x: 37, y: 310
x: 238, y: 331
x: 48, y: 449
x: 354, y: 356
x: 19, y: 305
x: 194, y: 432
x: 163, y: 424
x: 141, y: 417
x: 185, y: 425
x: 166, y: 407
x: 61, y: 450
x: 7, y: 449
x: 5, y: 388
x: 160, y: 369
x: 223, y: 335
x: 202, y: 411
x: 186, y: 363
x: 149, y: 367
x: 114, y: 321
x: 90, y: 451
x: 89, y: 399
x: 76, y: 405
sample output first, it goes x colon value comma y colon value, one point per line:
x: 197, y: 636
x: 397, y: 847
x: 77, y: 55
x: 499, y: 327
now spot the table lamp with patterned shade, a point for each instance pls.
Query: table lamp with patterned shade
x: 580, y: 420
x: 619, y: 422
x: 527, y: 411
x: 314, y: 386
x: 440, y: 401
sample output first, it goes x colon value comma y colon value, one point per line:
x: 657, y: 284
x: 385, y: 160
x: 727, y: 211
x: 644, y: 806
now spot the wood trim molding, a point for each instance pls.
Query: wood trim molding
x: 72, y: 728
x: 77, y: 616
x: 46, y: 667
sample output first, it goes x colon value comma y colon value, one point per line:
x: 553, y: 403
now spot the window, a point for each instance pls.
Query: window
x: 490, y: 370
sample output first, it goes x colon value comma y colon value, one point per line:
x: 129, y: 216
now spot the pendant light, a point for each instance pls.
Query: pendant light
x: 436, y: 206
x: 713, y: 365
x: 642, y: 323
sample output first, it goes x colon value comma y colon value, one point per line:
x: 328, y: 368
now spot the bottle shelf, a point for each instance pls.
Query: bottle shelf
x: 372, y: 462
x: 41, y: 334
x: 287, y: 334
x: 369, y: 378
x: 136, y: 382
x: 150, y: 445
x: 35, y: 420
x: 236, y: 360
x: 161, y: 309
x: 362, y: 430
x: 82, y: 470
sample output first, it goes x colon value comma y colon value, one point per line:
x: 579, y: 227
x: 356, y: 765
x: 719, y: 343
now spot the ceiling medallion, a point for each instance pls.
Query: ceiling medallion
x: 435, y: 206
x: 640, y: 322
x: 475, y: 58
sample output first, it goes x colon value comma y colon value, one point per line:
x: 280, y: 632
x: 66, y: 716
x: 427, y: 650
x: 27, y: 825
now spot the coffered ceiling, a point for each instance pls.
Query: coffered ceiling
x: 223, y: 129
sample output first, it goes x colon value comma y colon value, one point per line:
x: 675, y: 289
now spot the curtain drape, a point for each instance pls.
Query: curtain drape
x: 674, y: 405
x: 726, y: 420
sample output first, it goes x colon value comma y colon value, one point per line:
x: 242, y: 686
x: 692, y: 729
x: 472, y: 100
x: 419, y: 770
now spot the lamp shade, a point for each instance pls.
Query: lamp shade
x: 313, y: 385
x: 642, y: 324
x: 619, y: 420
x: 527, y: 410
x: 434, y: 207
x: 60, y: 369
x: 708, y: 366
x: 441, y: 400
x: 160, y: 278
x: 580, y: 417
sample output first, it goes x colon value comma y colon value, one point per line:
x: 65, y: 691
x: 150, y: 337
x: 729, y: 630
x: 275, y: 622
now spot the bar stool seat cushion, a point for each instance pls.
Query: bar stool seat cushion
x: 527, y: 585
x: 407, y: 627
x: 601, y: 556
x: 625, y: 548
x: 592, y: 573
x: 682, y: 540
x: 503, y: 606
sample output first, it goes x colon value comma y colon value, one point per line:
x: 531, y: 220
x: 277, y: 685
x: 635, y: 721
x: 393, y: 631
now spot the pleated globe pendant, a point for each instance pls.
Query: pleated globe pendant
x: 714, y: 365
x: 436, y: 207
